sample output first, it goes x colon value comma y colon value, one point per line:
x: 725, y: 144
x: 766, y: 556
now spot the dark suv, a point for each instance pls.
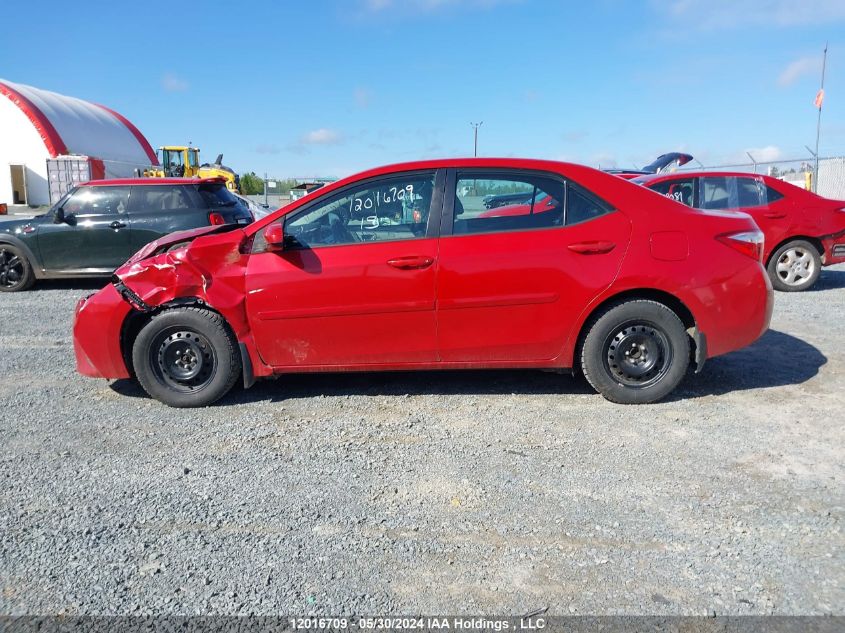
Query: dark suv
x: 98, y: 225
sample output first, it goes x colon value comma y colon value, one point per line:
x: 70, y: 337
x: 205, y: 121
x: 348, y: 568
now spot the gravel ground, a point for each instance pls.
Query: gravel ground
x: 426, y: 492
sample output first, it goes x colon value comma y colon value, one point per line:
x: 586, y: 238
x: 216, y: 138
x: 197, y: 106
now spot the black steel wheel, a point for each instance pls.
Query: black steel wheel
x: 635, y: 352
x: 183, y: 359
x: 15, y: 270
x: 186, y: 357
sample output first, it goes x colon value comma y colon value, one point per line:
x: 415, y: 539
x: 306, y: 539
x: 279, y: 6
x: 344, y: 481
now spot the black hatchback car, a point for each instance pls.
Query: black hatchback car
x: 98, y: 225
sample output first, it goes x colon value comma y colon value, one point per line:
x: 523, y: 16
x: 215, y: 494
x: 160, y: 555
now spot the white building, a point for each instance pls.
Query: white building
x: 37, y: 125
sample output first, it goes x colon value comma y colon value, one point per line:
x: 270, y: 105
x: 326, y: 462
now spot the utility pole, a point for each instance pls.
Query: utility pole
x: 265, y: 189
x: 475, y: 137
x: 819, y: 101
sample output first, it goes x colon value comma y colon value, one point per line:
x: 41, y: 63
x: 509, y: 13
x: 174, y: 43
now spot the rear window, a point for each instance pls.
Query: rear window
x: 218, y: 196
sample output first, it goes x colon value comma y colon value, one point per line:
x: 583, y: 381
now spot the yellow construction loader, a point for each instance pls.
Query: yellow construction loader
x: 180, y: 161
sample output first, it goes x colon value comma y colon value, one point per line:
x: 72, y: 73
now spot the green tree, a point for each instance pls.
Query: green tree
x: 251, y: 184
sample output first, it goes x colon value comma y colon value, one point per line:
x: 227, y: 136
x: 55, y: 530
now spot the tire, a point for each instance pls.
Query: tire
x: 16, y: 272
x: 660, y: 345
x: 795, y: 266
x: 186, y: 357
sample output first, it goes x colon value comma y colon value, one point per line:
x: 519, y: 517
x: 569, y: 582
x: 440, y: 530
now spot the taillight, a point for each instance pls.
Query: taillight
x: 216, y: 219
x: 746, y: 242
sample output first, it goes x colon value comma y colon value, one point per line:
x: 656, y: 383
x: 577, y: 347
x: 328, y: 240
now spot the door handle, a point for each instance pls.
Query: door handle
x: 774, y: 215
x: 592, y: 248
x: 117, y: 224
x: 412, y: 262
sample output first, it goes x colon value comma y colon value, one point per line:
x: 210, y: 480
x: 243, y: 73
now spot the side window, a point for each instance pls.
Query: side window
x: 750, y: 192
x: 395, y: 208
x: 772, y: 195
x: 717, y: 192
x: 97, y: 201
x: 158, y: 198
x: 581, y: 205
x: 679, y: 189
x: 495, y: 202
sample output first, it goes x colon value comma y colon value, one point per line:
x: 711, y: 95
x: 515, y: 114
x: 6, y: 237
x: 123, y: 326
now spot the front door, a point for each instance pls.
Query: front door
x: 355, y: 284
x: 513, y: 279
x: 92, y: 237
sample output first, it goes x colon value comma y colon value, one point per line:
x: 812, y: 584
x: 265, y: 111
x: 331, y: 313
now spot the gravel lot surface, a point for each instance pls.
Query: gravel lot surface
x: 426, y: 492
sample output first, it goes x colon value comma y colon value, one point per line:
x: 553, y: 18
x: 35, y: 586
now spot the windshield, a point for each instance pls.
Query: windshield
x: 218, y: 196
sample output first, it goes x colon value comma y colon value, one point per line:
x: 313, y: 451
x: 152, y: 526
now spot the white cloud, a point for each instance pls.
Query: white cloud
x: 719, y: 14
x: 322, y: 136
x: 764, y: 154
x: 172, y: 83
x: 798, y: 68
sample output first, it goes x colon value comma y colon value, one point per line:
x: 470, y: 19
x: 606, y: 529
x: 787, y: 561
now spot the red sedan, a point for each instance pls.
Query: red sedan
x: 399, y: 268
x: 803, y: 231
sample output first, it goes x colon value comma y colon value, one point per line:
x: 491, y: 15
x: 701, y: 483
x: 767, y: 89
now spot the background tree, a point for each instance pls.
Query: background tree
x: 251, y: 185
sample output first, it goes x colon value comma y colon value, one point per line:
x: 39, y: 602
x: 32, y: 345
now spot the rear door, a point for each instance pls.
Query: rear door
x: 355, y: 283
x: 773, y: 212
x: 94, y: 236
x: 157, y: 210
x: 512, y: 282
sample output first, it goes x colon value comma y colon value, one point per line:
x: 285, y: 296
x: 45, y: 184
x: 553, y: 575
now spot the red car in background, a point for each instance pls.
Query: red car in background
x: 398, y: 268
x: 803, y: 231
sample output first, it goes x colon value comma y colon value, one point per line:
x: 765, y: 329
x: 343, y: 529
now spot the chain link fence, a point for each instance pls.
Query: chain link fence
x: 801, y: 172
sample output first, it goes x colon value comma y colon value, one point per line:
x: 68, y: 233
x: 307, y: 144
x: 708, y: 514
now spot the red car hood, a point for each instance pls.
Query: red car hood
x: 175, y: 238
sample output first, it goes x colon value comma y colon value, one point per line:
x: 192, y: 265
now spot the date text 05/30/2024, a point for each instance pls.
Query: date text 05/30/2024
x: 419, y: 623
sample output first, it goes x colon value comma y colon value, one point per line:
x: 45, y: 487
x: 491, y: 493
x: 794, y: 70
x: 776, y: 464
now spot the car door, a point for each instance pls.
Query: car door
x: 90, y: 232
x: 157, y: 210
x: 355, y: 282
x: 772, y: 212
x: 512, y: 285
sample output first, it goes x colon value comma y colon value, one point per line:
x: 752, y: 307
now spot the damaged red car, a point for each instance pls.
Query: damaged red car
x: 403, y: 267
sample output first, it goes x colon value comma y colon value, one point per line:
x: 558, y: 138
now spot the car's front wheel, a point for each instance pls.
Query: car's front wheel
x: 15, y: 270
x: 795, y: 266
x: 186, y: 357
x: 635, y: 352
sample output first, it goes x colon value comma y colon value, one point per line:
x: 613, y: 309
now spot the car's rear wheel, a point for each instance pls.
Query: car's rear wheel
x: 16, y: 272
x: 186, y: 357
x: 635, y: 352
x: 795, y: 266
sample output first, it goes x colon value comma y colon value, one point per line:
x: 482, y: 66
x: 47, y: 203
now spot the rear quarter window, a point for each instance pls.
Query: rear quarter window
x: 582, y: 206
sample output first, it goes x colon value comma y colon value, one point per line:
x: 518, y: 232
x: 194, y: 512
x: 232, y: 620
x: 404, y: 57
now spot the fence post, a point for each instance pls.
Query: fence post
x: 752, y: 160
x: 815, y: 170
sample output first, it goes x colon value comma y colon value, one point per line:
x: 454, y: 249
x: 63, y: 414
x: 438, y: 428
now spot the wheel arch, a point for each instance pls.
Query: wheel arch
x: 698, y: 347
x: 11, y: 240
x: 137, y: 319
x: 816, y: 242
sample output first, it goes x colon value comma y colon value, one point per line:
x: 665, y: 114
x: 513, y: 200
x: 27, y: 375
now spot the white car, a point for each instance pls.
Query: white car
x: 258, y: 210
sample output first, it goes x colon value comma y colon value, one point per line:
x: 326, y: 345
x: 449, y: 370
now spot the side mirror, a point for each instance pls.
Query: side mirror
x: 59, y: 216
x: 274, y: 236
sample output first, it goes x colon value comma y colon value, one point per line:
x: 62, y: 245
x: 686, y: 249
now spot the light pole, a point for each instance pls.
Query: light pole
x: 818, y: 102
x: 475, y: 137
